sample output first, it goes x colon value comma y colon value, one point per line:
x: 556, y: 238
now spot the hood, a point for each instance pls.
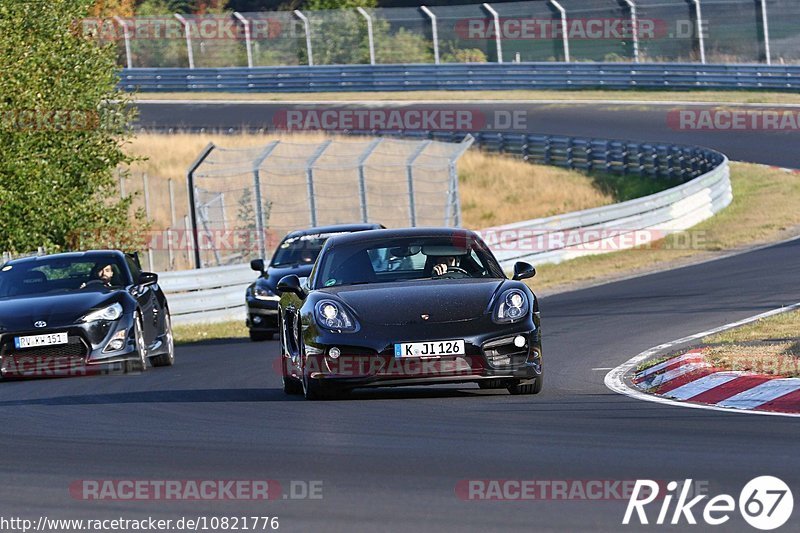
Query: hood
x: 404, y: 303
x: 55, y: 309
x: 274, y: 275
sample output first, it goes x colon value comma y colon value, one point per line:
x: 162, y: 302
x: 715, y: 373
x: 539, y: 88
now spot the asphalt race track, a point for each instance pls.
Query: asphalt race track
x: 648, y: 123
x: 390, y: 460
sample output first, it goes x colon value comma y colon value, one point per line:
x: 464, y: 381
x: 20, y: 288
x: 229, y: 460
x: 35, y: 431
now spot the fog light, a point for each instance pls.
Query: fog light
x: 334, y: 353
x: 117, y: 342
x: 519, y: 341
x: 256, y: 320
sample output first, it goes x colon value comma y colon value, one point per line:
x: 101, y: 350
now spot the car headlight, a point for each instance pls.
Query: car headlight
x: 512, y: 306
x: 330, y: 315
x: 262, y: 293
x: 112, y: 312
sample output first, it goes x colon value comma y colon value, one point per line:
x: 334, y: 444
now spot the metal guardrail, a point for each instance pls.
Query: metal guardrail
x: 217, y: 294
x: 464, y: 77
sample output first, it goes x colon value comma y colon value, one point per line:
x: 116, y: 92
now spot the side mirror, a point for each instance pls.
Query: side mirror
x: 523, y: 270
x: 148, y: 278
x: 291, y: 283
x: 257, y: 265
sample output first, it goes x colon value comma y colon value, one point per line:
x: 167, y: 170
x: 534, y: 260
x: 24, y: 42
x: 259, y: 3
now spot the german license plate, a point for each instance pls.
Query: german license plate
x: 429, y: 349
x: 33, y: 341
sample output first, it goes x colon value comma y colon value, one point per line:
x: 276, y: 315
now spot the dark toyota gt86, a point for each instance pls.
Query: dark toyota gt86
x: 407, y: 307
x: 295, y: 254
x: 77, y: 311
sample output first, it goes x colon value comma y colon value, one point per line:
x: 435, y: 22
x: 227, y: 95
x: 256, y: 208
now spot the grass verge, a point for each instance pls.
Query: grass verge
x: 716, y: 97
x: 188, y: 333
x: 764, y: 209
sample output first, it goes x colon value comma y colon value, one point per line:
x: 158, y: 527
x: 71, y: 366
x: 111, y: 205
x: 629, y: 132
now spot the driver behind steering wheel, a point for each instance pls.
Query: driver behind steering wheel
x: 444, y: 264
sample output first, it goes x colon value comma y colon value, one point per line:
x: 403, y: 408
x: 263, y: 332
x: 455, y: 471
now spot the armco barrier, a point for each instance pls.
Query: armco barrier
x: 217, y: 294
x: 469, y: 76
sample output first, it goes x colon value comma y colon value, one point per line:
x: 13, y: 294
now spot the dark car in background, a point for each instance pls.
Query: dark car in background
x: 410, y: 306
x: 68, y: 313
x: 295, y: 254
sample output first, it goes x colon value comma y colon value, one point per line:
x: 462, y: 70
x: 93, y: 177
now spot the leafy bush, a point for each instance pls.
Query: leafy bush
x: 63, y: 125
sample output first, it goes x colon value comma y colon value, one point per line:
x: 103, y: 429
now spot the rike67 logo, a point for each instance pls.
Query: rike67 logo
x: 765, y: 503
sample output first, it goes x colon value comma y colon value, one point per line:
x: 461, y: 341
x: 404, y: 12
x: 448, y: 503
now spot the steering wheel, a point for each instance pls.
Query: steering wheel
x: 456, y: 269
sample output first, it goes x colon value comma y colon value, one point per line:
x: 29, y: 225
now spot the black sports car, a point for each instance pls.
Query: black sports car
x: 71, y: 313
x: 295, y: 254
x: 407, y: 307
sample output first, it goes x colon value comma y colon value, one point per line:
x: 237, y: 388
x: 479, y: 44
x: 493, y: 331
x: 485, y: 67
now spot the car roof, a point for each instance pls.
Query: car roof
x: 334, y: 228
x: 388, y: 234
x: 89, y: 255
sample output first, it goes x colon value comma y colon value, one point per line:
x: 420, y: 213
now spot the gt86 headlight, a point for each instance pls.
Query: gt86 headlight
x: 112, y: 312
x: 512, y: 306
x: 331, y: 315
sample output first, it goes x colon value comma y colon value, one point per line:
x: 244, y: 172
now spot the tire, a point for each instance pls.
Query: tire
x: 259, y: 336
x: 166, y: 359
x: 529, y: 388
x: 140, y: 363
x: 292, y: 386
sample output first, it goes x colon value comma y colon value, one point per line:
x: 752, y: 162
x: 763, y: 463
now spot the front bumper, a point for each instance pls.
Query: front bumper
x: 86, y: 351
x: 488, y: 357
x: 262, y: 315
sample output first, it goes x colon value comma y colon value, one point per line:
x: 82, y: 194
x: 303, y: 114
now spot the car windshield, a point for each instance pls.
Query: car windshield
x: 302, y: 250
x: 50, y: 275
x: 409, y: 258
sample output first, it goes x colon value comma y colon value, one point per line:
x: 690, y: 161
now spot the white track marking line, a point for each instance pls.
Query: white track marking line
x: 692, y: 356
x: 615, y: 380
x: 698, y: 386
x: 666, y: 377
x: 761, y: 394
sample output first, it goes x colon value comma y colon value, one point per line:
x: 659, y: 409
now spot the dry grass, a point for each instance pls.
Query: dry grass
x: 499, y: 189
x: 758, y: 97
x: 770, y: 358
x: 785, y: 326
x: 764, y: 209
x: 202, y: 332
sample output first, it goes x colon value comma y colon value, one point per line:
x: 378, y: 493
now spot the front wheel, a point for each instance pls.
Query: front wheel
x: 258, y: 336
x: 140, y: 363
x: 168, y: 358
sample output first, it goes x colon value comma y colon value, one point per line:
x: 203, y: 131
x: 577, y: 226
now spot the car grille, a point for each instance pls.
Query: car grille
x: 502, y: 353
x: 75, y: 347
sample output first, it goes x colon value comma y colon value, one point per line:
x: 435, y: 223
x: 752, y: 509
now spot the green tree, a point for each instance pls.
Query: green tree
x: 63, y: 126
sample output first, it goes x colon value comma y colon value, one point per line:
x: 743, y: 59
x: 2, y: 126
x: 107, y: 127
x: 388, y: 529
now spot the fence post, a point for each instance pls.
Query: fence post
x: 312, y: 204
x: 121, y: 176
x: 189, y: 243
x: 412, y: 208
x: 188, y: 33
x: 701, y: 38
x: 434, y: 33
x: 362, y: 180
x: 248, y: 45
x: 146, y: 186
x: 126, y: 34
x: 454, y: 198
x: 370, y: 36
x: 765, y: 23
x: 198, y: 263
x: 307, y: 27
x: 635, y: 29
x: 497, y: 37
x: 260, y: 229
x: 564, y: 28
x: 171, y: 202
